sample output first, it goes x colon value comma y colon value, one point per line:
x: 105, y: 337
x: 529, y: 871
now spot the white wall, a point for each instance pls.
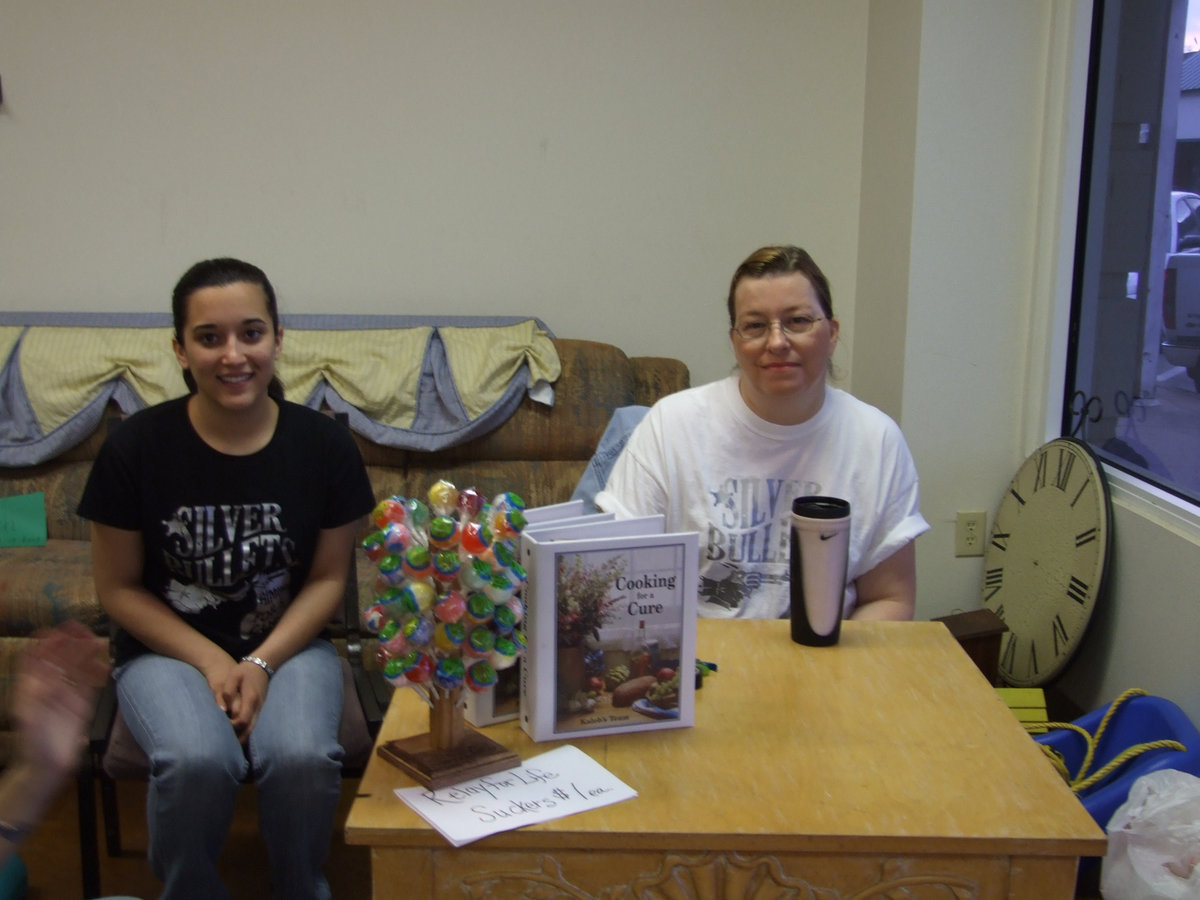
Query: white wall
x: 605, y: 166
x: 885, y: 213
x: 970, y: 341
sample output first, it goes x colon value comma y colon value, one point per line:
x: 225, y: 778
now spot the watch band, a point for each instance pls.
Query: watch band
x: 261, y: 663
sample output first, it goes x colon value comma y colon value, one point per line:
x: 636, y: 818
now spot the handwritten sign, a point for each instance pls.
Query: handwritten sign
x: 23, y: 520
x: 560, y: 783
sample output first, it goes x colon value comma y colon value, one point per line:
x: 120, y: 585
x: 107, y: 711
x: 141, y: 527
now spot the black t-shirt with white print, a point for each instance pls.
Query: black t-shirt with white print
x: 229, y: 540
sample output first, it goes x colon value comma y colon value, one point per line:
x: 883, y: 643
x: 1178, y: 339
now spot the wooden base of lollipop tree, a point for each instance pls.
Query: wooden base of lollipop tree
x: 450, y: 752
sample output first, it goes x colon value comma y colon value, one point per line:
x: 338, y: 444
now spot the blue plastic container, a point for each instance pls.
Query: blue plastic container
x: 1138, y: 720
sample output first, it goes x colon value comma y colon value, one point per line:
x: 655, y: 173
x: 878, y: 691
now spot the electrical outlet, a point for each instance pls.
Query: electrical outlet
x: 970, y: 532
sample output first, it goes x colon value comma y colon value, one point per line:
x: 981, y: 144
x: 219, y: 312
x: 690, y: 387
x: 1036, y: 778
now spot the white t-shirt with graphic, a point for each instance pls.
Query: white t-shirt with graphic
x: 705, y: 461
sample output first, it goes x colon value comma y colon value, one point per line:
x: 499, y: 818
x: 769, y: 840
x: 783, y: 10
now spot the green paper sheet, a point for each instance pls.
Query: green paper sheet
x: 23, y: 520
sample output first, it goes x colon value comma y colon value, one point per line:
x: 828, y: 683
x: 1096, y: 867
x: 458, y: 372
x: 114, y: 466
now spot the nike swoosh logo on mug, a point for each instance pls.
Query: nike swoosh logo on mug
x: 826, y: 537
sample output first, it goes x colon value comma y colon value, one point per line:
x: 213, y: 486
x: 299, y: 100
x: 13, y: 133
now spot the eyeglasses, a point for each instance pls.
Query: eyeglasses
x: 792, y: 326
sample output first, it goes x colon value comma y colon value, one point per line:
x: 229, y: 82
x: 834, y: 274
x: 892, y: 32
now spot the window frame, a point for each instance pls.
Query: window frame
x: 1171, y: 508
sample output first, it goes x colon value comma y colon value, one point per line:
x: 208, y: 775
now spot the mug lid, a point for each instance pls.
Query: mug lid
x: 821, y: 507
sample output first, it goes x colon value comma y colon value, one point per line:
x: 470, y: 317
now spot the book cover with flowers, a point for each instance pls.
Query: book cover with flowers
x: 611, y: 622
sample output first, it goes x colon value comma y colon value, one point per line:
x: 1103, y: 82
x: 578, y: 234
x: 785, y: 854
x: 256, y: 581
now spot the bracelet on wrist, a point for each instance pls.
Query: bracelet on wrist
x: 261, y: 663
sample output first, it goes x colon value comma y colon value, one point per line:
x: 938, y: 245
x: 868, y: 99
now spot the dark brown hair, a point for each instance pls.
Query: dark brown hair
x: 219, y: 273
x: 782, y: 260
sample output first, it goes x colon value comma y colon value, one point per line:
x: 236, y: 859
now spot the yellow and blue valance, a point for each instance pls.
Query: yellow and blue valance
x: 413, y: 382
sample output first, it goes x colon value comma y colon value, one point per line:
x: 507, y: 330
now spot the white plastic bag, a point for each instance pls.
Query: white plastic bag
x: 1154, y: 840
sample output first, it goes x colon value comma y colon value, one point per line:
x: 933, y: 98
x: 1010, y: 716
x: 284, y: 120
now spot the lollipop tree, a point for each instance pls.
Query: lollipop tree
x: 447, y: 612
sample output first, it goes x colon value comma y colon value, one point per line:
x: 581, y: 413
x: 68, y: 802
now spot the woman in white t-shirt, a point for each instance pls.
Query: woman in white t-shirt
x: 726, y: 459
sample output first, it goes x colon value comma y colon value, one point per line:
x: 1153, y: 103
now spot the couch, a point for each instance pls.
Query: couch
x: 539, y: 451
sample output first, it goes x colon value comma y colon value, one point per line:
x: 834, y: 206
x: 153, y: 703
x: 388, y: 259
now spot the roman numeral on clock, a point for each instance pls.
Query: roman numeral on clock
x: 1009, y: 654
x: 993, y: 580
x: 1066, y: 460
x: 1060, y: 635
x: 1079, y: 493
x: 1077, y: 590
x: 1039, y: 475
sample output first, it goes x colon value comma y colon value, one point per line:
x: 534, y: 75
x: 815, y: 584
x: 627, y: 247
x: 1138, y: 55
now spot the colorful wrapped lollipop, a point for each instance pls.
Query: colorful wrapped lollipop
x: 422, y: 594
x: 481, y: 676
x: 508, y: 514
x: 393, y: 671
x: 469, y: 503
x: 375, y: 546
x: 508, y: 500
x: 388, y: 511
x: 480, y: 609
x: 517, y: 607
x: 519, y: 640
x: 443, y: 533
x: 518, y: 575
x: 475, y: 574
x: 475, y: 538
x: 443, y: 497
x: 391, y: 568
x: 504, y: 619
x: 506, y: 523
x: 479, y: 643
x: 417, y: 513
x: 504, y: 653
x: 499, y: 589
x: 389, y: 628
x: 397, y: 538
x: 505, y: 553
x: 419, y: 667
x: 446, y: 566
x: 448, y: 637
x: 449, y: 673
x: 396, y: 602
x: 396, y: 645
x: 418, y: 630
x: 417, y: 562
x: 450, y: 607
x: 374, y: 617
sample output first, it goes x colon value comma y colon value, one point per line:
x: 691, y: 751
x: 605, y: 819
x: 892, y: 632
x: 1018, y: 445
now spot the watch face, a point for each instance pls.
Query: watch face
x: 1045, y: 563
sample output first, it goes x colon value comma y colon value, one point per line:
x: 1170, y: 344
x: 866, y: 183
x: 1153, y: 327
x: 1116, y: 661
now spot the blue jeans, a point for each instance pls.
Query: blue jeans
x: 197, y: 766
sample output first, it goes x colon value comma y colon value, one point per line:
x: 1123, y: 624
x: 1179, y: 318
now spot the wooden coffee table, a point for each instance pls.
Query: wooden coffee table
x: 885, y: 762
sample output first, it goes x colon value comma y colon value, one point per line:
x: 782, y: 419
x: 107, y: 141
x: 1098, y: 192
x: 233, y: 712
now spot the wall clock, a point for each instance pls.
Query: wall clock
x: 1045, y: 564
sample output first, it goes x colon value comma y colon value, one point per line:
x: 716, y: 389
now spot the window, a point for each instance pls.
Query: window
x: 1187, y: 224
x: 1133, y: 369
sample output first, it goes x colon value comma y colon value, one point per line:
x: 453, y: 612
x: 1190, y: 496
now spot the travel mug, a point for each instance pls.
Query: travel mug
x: 820, y: 544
